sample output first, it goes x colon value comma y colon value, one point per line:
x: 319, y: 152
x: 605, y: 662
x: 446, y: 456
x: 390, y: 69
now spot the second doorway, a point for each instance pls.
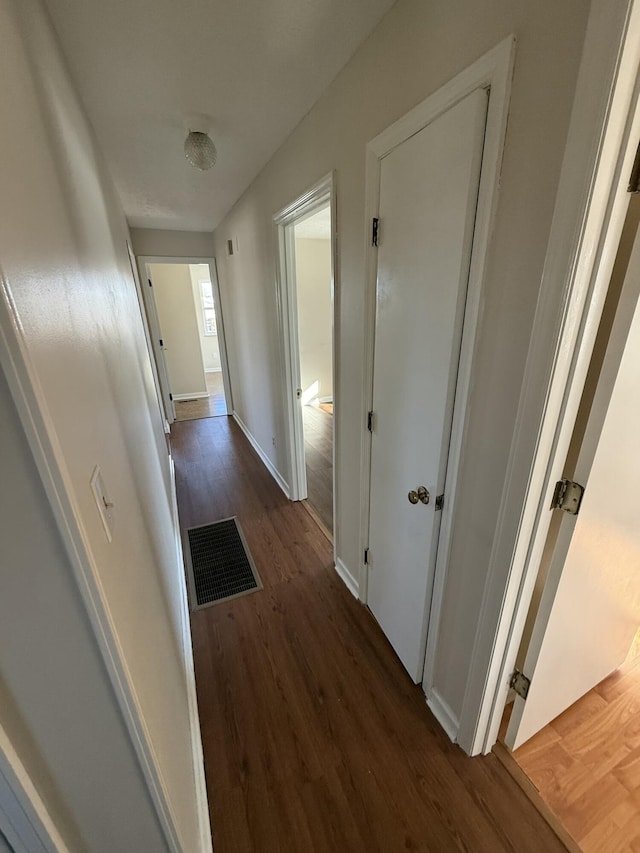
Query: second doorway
x: 307, y: 317
x: 183, y: 310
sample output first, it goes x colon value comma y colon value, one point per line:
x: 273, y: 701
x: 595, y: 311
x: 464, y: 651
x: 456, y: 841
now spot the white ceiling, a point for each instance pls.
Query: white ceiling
x: 315, y: 227
x: 145, y: 68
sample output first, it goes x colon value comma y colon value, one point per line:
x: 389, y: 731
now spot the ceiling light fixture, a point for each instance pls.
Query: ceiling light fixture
x: 200, y: 150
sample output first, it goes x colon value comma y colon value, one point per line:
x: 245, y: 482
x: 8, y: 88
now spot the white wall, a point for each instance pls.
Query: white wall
x: 58, y: 707
x: 154, y: 242
x: 313, y: 286
x: 416, y: 49
x: 173, y: 294
x: 209, y: 344
x: 65, y: 265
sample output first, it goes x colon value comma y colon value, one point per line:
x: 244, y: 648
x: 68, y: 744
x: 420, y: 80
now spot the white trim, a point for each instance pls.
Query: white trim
x: 319, y: 195
x: 492, y: 71
x: 41, y: 435
x: 197, y: 395
x: 213, y: 370
x: 289, y: 367
x: 202, y: 803
x: 26, y: 823
x: 443, y: 714
x: 349, y: 580
x: 590, y: 208
x: 271, y: 468
x: 156, y: 351
x: 222, y: 336
x: 148, y: 336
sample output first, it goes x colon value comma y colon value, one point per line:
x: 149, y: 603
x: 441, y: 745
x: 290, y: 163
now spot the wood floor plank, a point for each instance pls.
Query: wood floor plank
x: 627, y: 772
x: 574, y: 717
x: 586, y: 763
x: 318, y: 449
x: 612, y: 834
x: 314, y: 737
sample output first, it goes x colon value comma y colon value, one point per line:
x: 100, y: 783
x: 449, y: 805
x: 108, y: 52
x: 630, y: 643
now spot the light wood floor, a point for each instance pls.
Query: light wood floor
x: 586, y: 764
x: 318, y: 449
x: 206, y: 407
x: 315, y: 739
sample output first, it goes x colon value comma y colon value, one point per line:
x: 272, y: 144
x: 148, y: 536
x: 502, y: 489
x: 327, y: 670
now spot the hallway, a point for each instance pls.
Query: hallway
x: 314, y: 737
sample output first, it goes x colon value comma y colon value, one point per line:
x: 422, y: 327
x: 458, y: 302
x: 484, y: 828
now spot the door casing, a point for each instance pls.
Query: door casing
x: 583, y: 567
x: 492, y: 71
x: 320, y: 195
x: 585, y: 232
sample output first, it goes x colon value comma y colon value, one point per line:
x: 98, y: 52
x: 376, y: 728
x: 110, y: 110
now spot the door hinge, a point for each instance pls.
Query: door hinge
x: 520, y: 683
x: 170, y: 395
x: 161, y: 342
x: 149, y: 280
x: 370, y: 421
x: 439, y: 502
x: 375, y: 224
x: 366, y: 556
x: 567, y: 495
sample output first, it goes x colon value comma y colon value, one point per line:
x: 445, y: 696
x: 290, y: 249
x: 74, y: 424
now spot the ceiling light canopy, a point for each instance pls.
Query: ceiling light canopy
x: 200, y: 150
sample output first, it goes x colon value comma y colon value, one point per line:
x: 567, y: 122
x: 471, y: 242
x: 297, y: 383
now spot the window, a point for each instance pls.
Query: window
x: 208, y: 308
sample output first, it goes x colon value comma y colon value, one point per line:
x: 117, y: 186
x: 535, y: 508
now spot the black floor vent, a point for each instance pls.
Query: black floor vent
x: 220, y: 565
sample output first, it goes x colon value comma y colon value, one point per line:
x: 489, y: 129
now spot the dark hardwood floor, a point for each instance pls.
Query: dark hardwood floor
x: 315, y: 739
x: 318, y: 452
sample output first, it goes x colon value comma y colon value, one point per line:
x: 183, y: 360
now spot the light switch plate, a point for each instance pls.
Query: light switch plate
x: 103, y: 502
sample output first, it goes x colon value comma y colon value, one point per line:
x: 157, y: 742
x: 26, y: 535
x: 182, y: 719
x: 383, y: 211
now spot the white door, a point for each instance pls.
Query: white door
x: 158, y: 346
x: 222, y: 338
x: 590, y: 607
x: 428, y: 197
x: 148, y: 335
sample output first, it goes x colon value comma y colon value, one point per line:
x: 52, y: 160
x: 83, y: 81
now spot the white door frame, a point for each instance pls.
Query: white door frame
x: 590, y: 210
x: 154, y: 324
x: 24, y: 818
x: 164, y: 411
x: 160, y: 372
x: 493, y: 70
x: 316, y: 197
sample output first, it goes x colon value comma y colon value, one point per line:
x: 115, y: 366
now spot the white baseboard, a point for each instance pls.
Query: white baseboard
x: 444, y: 715
x: 325, y: 399
x: 202, y: 805
x: 350, y: 582
x: 277, y: 476
x: 197, y: 395
x: 213, y: 370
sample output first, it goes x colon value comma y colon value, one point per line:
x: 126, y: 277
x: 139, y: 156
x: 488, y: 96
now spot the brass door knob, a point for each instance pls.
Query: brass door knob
x: 421, y: 494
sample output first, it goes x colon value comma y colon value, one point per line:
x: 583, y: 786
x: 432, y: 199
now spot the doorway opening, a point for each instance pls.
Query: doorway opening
x: 306, y: 300
x: 182, y: 303
x: 315, y: 331
x: 576, y: 738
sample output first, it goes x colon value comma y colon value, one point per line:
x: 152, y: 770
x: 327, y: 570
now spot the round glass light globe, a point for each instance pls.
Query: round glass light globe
x: 200, y: 150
